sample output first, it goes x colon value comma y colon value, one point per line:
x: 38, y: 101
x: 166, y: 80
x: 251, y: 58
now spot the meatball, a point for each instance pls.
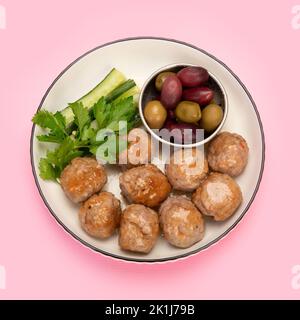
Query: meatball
x: 139, y: 149
x: 139, y: 228
x: 187, y: 168
x: 100, y: 215
x: 181, y: 222
x: 218, y: 196
x: 145, y: 185
x: 228, y: 153
x: 82, y: 178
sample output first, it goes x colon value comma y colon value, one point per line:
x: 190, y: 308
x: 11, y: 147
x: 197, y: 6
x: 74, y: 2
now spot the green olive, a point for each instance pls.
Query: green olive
x: 188, y: 112
x: 155, y: 114
x: 160, y: 79
x: 212, y: 116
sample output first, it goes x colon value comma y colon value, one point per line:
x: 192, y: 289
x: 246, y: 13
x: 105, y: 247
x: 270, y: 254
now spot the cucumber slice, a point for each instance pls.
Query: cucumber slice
x: 68, y: 115
x: 120, y: 90
x: 114, y: 79
x: 134, y: 91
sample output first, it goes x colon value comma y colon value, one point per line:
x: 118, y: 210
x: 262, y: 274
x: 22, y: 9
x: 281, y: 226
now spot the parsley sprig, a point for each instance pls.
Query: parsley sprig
x: 81, y: 138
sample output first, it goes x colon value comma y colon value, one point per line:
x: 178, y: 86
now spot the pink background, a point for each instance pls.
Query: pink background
x: 256, y: 40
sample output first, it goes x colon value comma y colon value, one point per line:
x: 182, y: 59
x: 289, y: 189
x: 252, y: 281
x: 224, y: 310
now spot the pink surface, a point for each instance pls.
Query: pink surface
x: 257, y: 41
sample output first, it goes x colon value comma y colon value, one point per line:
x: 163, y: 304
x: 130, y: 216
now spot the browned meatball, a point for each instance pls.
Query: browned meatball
x: 82, y: 178
x: 139, y: 149
x: 218, y: 196
x: 181, y: 222
x: 228, y: 153
x: 187, y: 169
x: 145, y: 185
x: 139, y: 228
x: 100, y: 215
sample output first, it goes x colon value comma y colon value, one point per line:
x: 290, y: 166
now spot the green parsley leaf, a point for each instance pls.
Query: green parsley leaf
x: 81, y: 116
x: 88, y: 133
x: 54, y: 122
x: 101, y: 111
x: 47, y: 171
x: 122, y: 110
x: 64, y: 153
x: 56, y: 160
x: 49, y: 138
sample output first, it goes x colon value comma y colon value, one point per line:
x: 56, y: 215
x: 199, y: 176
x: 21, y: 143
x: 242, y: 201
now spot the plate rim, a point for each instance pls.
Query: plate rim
x: 158, y: 260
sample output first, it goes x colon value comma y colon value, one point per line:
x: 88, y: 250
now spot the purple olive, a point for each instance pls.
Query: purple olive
x: 193, y: 76
x: 160, y: 79
x: 171, y: 92
x: 171, y: 115
x: 170, y: 124
x: 201, y: 95
x: 182, y: 136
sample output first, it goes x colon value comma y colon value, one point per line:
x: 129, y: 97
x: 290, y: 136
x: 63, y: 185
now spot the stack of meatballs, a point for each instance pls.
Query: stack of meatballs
x: 207, y: 182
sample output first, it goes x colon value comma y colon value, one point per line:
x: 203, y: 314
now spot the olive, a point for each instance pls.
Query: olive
x: 212, y: 116
x: 171, y: 92
x: 155, y: 114
x: 171, y: 114
x: 188, y: 112
x: 201, y: 95
x: 160, y: 79
x: 193, y: 76
x: 185, y: 133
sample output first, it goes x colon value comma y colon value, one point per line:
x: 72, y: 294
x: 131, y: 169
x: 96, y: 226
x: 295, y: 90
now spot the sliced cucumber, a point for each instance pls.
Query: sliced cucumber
x: 114, y: 79
x: 108, y: 84
x: 69, y: 116
x: 120, y: 90
x: 134, y: 91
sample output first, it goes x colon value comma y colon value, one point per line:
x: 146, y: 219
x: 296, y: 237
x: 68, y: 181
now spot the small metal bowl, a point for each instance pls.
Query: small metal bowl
x: 149, y: 93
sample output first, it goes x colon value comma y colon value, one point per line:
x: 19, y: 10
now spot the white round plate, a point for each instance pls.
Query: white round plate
x: 137, y: 58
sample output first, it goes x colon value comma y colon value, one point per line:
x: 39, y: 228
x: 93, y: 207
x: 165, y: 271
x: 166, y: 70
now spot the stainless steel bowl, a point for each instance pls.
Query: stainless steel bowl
x: 149, y: 93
